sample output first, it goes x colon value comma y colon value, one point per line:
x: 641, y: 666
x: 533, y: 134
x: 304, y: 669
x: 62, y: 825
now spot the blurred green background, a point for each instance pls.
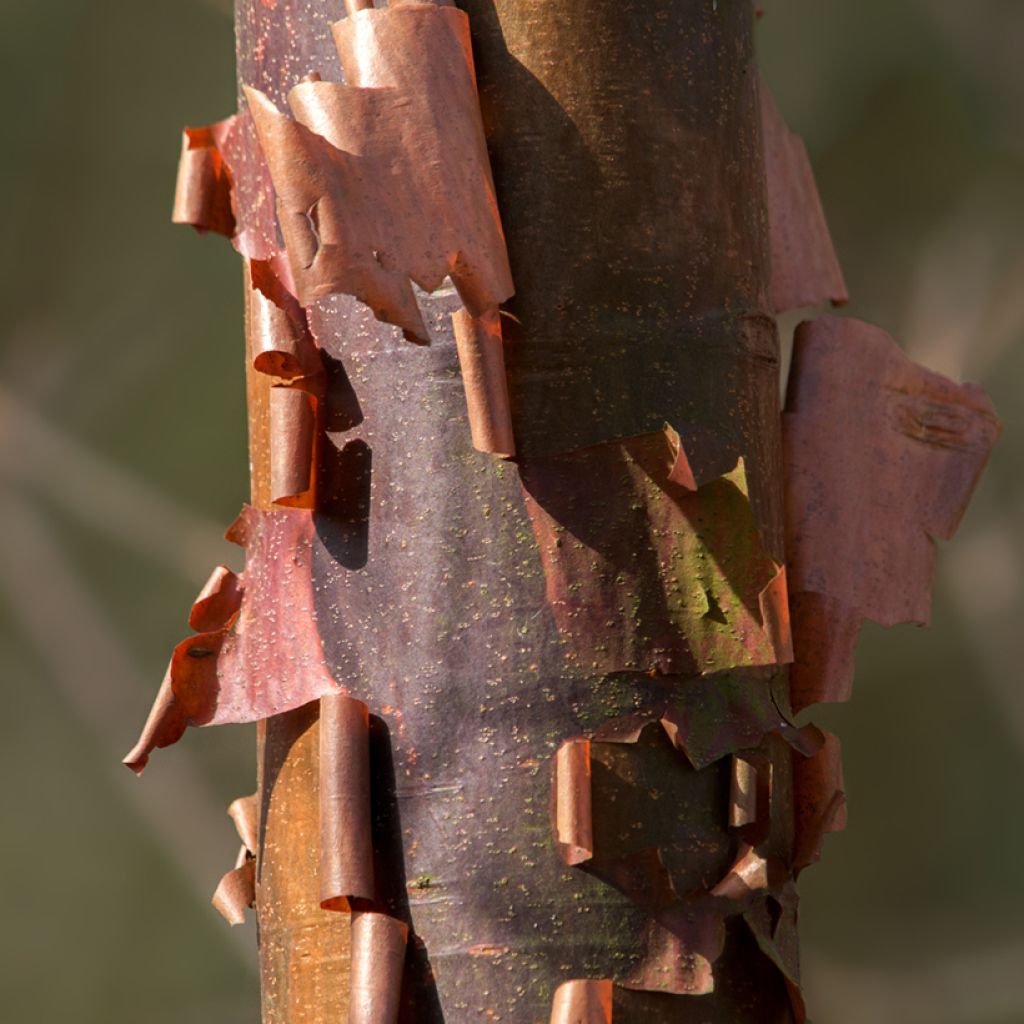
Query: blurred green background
x: 122, y: 458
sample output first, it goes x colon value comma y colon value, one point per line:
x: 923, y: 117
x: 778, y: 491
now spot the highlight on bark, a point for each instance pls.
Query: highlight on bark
x: 529, y: 604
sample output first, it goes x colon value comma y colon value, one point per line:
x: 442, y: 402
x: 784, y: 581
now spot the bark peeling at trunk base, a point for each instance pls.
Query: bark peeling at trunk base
x: 526, y: 749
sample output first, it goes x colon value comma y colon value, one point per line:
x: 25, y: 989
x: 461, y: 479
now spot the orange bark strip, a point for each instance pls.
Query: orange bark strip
x: 805, y: 270
x: 378, y: 959
x: 244, y: 812
x: 346, y: 845
x: 574, y: 831
x: 881, y: 456
x: 218, y: 602
x: 202, y: 196
x: 304, y: 951
x: 387, y: 179
x: 236, y: 891
x: 281, y: 343
x: 271, y: 661
x: 582, y: 1002
x: 482, y: 362
x: 292, y: 443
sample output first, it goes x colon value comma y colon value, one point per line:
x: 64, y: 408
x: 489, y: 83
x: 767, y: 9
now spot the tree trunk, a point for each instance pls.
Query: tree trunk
x: 626, y: 153
x: 534, y: 570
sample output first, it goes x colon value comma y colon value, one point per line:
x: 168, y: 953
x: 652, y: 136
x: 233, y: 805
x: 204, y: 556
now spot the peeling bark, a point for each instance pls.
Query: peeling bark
x: 515, y: 616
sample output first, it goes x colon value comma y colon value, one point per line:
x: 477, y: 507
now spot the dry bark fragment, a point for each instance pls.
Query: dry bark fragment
x: 269, y: 660
x: 346, y: 850
x: 882, y: 456
x: 202, y: 196
x: 805, y: 270
x: 378, y: 957
x: 236, y: 891
x: 386, y: 179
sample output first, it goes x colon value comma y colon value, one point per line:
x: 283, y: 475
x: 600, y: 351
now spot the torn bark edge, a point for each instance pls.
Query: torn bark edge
x: 805, y: 270
x: 218, y: 602
x: 244, y: 812
x: 819, y: 799
x: 378, y: 962
x: 202, y: 194
x: 346, y: 845
x: 335, y: 242
x: 237, y: 889
x: 212, y: 612
x: 481, y: 352
x: 282, y: 344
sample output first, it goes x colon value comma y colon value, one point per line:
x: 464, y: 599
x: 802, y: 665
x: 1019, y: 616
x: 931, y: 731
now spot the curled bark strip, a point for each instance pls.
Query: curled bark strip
x: 346, y: 845
x: 387, y: 179
x: 805, y: 270
x: 218, y: 602
x: 224, y: 186
x: 582, y: 1002
x: 574, y: 832
x: 748, y: 875
x: 482, y: 362
x: 613, y: 824
x: 202, y: 196
x: 292, y: 444
x: 244, y: 812
x: 819, y: 799
x: 271, y: 661
x: 237, y: 889
x: 645, y: 574
x: 743, y: 790
x: 378, y: 957
x: 282, y: 345
x: 881, y: 456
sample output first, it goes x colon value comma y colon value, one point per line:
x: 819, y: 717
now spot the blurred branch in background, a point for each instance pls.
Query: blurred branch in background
x: 96, y: 675
x: 37, y: 454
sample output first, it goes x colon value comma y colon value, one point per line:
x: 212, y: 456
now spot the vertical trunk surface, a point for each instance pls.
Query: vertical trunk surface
x: 515, y: 617
x: 626, y: 151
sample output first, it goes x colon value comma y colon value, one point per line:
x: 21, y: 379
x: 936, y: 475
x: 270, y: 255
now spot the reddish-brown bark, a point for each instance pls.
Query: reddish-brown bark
x: 526, y: 719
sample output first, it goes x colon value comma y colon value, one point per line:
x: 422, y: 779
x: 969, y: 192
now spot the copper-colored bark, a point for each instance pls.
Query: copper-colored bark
x: 304, y: 950
x: 378, y: 958
x: 346, y: 849
x: 805, y: 270
x: 203, y: 194
x: 431, y: 630
x: 482, y: 364
x: 386, y: 178
x: 268, y: 661
x: 583, y: 1002
x: 237, y: 889
x: 882, y: 456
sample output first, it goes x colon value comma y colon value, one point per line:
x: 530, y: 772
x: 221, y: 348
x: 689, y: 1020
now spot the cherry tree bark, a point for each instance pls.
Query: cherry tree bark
x: 515, y: 615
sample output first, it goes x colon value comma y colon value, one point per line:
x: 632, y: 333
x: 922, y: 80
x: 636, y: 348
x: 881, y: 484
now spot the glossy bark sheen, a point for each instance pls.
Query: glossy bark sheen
x: 626, y: 155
